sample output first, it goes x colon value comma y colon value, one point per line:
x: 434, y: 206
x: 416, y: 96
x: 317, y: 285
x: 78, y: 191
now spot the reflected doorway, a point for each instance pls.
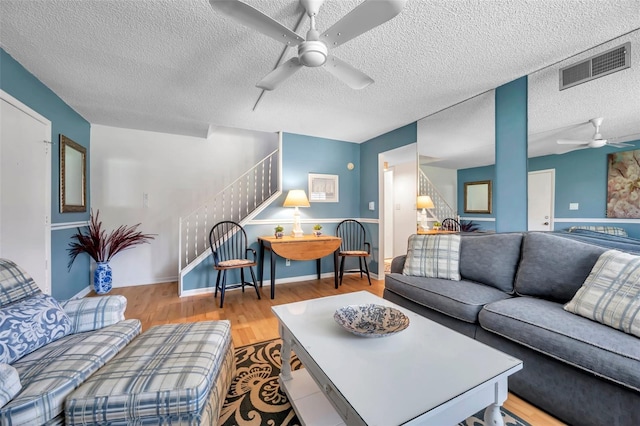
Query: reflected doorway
x: 540, y: 200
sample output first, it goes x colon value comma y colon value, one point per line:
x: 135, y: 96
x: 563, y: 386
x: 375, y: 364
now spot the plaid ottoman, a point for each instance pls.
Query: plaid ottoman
x: 176, y: 374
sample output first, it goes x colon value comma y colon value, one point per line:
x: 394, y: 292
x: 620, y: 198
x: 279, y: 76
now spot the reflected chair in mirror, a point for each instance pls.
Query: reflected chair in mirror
x: 230, y: 250
x: 450, y: 224
x: 353, y: 245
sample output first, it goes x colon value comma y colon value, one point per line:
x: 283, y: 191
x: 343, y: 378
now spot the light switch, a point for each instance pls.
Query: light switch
x: 574, y: 206
x: 372, y: 205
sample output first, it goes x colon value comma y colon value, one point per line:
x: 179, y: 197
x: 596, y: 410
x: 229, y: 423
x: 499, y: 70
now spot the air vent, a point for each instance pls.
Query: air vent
x: 597, y: 66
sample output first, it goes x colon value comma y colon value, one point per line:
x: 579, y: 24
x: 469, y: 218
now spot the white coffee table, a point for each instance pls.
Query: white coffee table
x: 425, y: 375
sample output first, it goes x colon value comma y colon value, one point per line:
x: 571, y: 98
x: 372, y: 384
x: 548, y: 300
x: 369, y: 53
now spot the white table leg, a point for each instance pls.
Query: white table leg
x: 285, y: 355
x: 492, y: 416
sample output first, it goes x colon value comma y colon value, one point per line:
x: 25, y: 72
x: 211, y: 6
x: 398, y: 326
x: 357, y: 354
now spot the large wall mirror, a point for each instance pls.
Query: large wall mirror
x: 444, y: 141
x: 461, y: 138
x: 73, y: 176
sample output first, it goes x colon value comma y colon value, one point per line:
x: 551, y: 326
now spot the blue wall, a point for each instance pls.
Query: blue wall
x: 510, y: 184
x: 24, y: 86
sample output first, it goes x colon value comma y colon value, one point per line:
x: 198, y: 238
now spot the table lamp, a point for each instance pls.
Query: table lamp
x: 424, y: 202
x: 296, y: 198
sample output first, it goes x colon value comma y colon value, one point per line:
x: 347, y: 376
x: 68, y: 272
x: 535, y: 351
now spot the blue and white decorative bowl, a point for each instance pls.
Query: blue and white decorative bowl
x: 371, y: 320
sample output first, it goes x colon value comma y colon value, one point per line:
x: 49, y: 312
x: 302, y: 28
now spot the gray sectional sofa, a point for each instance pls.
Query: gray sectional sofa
x: 511, y: 294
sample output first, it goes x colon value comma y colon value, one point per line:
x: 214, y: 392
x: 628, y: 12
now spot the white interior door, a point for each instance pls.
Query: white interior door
x: 541, y: 200
x: 25, y: 189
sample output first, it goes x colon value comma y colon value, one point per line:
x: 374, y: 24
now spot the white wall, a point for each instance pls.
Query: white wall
x: 177, y: 172
x: 404, y: 200
x: 445, y: 181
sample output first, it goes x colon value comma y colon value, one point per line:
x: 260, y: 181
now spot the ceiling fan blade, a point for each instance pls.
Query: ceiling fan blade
x: 364, y: 17
x: 566, y: 151
x: 253, y: 18
x: 352, y: 77
x: 280, y: 74
x: 627, y: 138
x: 620, y: 144
x: 572, y: 142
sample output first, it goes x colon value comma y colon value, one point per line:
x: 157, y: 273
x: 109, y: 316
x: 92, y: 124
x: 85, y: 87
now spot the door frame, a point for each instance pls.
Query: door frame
x: 4, y: 96
x: 552, y: 192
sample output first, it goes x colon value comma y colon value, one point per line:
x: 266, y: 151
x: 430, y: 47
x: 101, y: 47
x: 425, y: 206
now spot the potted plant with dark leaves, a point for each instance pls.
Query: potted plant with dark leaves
x: 102, y: 247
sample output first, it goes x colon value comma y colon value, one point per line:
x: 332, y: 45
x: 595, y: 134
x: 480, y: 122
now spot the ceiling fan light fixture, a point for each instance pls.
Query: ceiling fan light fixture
x: 312, y: 53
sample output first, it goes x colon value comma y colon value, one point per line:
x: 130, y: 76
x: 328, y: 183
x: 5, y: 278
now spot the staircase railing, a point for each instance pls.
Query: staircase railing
x: 441, y: 209
x: 235, y: 202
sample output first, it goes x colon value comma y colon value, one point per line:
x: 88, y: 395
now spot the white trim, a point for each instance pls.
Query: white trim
x: 68, y: 225
x: 315, y: 220
x: 597, y: 220
x: 82, y: 293
x: 479, y: 219
x: 163, y: 280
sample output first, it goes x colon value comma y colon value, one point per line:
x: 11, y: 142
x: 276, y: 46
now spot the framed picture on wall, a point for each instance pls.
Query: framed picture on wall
x: 623, y: 193
x: 323, y: 188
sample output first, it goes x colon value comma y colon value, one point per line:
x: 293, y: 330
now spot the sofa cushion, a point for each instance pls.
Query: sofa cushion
x: 462, y: 300
x: 491, y: 259
x: 9, y: 383
x: 29, y: 324
x: 546, y: 327
x: 164, y: 377
x: 553, y: 267
x: 611, y: 293
x: 15, y: 283
x: 434, y: 256
x: 93, y: 313
x: 52, y: 372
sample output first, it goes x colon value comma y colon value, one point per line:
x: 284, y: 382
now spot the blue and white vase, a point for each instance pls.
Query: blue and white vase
x: 102, y: 279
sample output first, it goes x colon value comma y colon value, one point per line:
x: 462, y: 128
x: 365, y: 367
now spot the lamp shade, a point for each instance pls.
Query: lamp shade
x: 424, y: 202
x: 296, y: 198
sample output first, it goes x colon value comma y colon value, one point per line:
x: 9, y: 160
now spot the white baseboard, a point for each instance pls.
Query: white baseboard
x: 82, y: 293
x: 266, y: 283
x: 172, y: 279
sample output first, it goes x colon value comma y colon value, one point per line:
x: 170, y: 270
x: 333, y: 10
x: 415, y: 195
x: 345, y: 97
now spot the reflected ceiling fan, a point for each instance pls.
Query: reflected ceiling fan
x: 597, y: 141
x: 313, y: 51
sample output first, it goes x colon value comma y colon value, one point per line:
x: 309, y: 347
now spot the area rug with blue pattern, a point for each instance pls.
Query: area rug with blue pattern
x: 255, y: 398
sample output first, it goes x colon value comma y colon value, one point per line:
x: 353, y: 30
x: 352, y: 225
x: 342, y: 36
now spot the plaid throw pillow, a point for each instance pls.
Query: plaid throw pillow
x: 611, y: 293
x: 434, y: 256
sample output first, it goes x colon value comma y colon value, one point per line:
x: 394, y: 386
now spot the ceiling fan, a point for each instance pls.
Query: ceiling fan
x: 597, y: 141
x: 313, y: 51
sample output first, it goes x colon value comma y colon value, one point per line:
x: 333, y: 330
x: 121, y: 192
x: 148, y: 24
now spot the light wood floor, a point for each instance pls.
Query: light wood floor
x: 252, y: 320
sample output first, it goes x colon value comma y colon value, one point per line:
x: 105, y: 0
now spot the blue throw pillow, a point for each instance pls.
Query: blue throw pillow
x: 29, y: 324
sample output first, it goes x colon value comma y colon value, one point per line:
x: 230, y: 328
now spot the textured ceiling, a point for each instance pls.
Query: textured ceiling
x: 178, y: 66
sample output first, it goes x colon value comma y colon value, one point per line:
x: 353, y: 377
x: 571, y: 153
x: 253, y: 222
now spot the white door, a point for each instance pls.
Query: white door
x: 25, y: 189
x: 541, y: 200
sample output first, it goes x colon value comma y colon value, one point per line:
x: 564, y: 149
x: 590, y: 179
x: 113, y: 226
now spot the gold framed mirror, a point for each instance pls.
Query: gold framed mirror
x: 73, y: 176
x: 477, y: 197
